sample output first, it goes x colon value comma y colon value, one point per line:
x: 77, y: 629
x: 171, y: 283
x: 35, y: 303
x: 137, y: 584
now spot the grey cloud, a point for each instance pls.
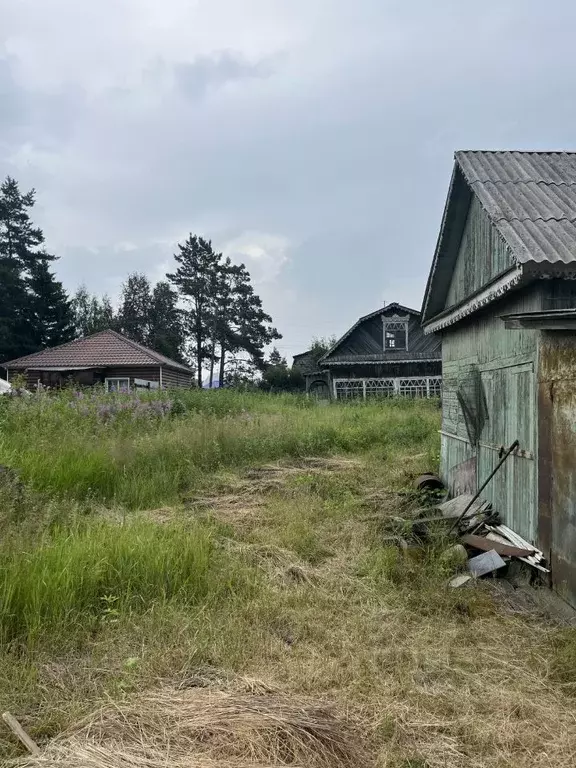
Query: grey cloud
x: 12, y: 103
x: 345, y: 150
x: 194, y: 79
x: 44, y: 119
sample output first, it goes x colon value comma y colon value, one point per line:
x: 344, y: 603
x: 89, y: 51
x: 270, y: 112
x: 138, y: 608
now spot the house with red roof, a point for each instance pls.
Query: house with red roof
x: 107, y: 358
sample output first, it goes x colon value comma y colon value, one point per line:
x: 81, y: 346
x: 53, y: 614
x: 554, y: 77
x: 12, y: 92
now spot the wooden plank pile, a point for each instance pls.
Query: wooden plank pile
x: 490, y: 544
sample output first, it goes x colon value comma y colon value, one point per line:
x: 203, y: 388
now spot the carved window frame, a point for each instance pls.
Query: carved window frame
x: 394, y: 323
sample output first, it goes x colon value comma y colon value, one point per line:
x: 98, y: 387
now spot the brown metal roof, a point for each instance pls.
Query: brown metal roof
x: 101, y: 350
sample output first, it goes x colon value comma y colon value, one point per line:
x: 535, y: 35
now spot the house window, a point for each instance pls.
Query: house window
x: 117, y: 385
x: 395, y: 333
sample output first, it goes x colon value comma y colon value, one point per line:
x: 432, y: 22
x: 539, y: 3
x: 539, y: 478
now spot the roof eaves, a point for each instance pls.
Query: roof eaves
x: 399, y: 361
x: 511, y: 279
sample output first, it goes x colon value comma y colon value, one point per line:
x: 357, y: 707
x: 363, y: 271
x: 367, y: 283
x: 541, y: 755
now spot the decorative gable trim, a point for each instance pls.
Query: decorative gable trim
x: 381, y: 311
x: 489, y: 293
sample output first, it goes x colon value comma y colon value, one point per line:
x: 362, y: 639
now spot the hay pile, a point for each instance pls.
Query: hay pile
x: 206, y: 728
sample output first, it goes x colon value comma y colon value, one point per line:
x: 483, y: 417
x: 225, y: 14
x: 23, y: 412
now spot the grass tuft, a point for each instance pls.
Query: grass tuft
x: 75, y: 579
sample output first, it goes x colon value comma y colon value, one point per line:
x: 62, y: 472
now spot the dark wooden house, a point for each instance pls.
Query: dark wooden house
x: 383, y: 354
x: 106, y: 358
x: 316, y: 380
x: 502, y: 296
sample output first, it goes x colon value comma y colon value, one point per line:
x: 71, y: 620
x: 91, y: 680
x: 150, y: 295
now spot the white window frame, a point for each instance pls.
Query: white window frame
x: 107, y: 382
x: 395, y: 323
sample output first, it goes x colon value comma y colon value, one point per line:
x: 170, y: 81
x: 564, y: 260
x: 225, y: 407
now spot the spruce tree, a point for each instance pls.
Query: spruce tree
x: 30, y: 295
x: 135, y: 307
x: 53, y: 317
x: 166, y: 333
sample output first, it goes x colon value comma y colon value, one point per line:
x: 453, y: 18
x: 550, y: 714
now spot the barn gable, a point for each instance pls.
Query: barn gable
x: 482, y: 255
x: 510, y: 217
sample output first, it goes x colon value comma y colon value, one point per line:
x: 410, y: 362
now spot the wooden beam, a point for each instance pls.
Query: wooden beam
x: 20, y: 733
x: 485, y: 545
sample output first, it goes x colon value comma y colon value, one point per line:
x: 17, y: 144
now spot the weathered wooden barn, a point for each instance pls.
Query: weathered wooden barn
x: 106, y: 358
x: 383, y: 354
x: 502, y: 295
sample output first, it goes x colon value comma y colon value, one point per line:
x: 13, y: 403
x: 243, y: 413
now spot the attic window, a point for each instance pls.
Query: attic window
x: 395, y: 333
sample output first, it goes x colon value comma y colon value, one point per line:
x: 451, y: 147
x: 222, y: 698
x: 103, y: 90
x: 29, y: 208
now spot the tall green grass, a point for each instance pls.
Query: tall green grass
x: 143, y: 461
x: 70, y: 581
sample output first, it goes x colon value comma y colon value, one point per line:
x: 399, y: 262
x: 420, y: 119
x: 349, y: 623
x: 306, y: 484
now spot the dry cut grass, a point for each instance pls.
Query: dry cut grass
x: 208, y: 729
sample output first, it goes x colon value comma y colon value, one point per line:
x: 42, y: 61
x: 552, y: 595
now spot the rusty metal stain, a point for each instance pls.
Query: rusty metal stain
x: 557, y: 459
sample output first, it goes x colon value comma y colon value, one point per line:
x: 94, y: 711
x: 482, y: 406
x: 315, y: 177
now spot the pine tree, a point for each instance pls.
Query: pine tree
x: 166, y: 333
x: 195, y: 278
x: 220, y: 307
x: 30, y: 295
x: 247, y: 328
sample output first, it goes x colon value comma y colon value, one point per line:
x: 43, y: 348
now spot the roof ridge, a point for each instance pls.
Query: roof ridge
x: 136, y: 345
x: 363, y: 319
x: 386, y: 308
x: 147, y: 356
x: 515, y: 152
x: 156, y: 357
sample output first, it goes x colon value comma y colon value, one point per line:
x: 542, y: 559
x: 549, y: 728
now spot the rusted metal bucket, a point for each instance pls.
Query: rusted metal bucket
x: 429, y: 482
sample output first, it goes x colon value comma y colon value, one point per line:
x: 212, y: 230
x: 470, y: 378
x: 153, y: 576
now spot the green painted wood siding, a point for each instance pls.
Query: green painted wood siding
x: 482, y: 255
x: 505, y: 361
x: 483, y: 343
x: 511, y: 400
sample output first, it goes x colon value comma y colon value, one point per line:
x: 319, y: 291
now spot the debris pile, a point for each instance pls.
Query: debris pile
x: 485, y: 546
x: 490, y: 544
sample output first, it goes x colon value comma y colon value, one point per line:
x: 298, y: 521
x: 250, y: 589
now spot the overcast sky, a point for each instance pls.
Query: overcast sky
x: 312, y: 139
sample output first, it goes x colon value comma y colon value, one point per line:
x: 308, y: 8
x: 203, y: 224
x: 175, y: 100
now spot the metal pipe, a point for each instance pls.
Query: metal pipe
x: 513, y: 447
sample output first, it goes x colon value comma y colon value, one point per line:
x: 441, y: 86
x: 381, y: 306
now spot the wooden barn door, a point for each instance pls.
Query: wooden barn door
x: 510, y: 403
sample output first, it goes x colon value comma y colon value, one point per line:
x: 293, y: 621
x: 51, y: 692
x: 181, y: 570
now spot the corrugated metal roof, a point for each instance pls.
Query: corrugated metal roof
x: 531, y: 197
x: 103, y: 349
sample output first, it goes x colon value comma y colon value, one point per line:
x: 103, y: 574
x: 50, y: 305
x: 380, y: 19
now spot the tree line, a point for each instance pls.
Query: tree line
x: 206, y: 312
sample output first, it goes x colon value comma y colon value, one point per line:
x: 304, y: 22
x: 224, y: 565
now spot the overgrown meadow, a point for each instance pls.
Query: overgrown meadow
x: 147, y: 449
x: 168, y: 537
